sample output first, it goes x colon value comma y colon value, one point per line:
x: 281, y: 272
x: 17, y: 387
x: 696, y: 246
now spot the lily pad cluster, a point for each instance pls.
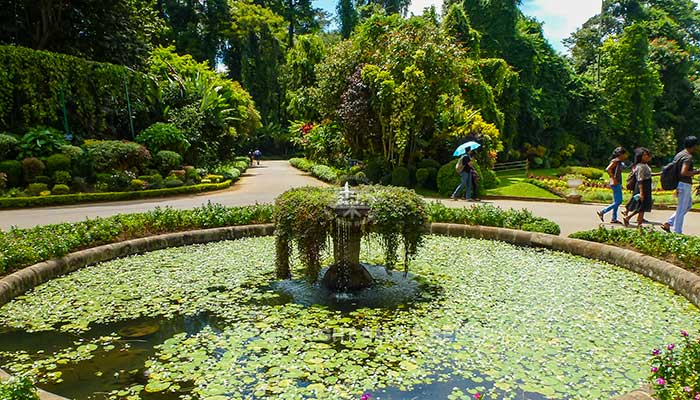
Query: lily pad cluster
x: 303, y: 217
x: 507, y: 322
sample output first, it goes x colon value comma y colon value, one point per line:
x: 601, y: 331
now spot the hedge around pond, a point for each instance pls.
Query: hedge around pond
x: 681, y: 250
x: 66, y: 199
x: 24, y: 247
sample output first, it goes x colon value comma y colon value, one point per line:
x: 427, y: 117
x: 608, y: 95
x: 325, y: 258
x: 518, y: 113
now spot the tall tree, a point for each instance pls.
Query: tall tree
x: 347, y: 17
x: 254, y: 54
x: 631, y: 85
x: 196, y: 27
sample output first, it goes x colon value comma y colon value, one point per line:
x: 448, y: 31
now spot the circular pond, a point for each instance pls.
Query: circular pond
x: 206, y: 322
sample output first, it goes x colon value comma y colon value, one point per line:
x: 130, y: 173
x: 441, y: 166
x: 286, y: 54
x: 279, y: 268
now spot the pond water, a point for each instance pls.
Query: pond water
x: 208, y: 322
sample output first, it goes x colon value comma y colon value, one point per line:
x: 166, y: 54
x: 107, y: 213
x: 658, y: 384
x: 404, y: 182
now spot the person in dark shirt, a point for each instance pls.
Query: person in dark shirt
x: 615, y: 171
x: 466, y: 176
x: 684, y: 192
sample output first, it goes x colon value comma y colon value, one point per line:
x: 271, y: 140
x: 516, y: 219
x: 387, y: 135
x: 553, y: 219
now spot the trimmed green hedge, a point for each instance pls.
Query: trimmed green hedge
x: 489, y: 215
x: 677, y: 249
x: 23, y: 247
x: 32, y: 81
x: 42, y: 201
x: 320, y: 171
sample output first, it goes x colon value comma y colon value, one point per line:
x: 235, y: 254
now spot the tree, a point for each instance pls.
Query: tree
x: 195, y: 27
x: 300, y: 77
x: 119, y: 31
x: 254, y: 54
x: 347, y: 17
x: 631, y: 85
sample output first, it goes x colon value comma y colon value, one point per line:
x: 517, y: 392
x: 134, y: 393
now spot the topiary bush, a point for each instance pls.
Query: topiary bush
x: 173, y: 182
x: 43, y: 179
x: 111, y: 155
x: 40, y: 141
x: 62, y: 177
x: 60, y: 189
x: 448, y: 179
x: 163, y: 136
x: 57, y: 162
x: 301, y: 163
x: 376, y: 169
x: 72, y: 152
x: 428, y: 163
x: 167, y: 161
x: 401, y: 177
x: 155, y: 181
x: 137, y: 184
x: 13, y: 170
x: 588, y: 172
x: 426, y: 178
x: 35, y: 189
x: 31, y: 168
x: 9, y: 146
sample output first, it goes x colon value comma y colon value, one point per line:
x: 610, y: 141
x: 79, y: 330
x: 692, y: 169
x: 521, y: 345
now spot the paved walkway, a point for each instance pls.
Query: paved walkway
x: 262, y: 184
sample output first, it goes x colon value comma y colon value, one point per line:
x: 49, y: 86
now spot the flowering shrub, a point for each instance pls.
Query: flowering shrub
x: 675, y: 371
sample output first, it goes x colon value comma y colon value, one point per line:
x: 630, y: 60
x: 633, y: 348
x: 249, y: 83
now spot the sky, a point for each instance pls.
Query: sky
x: 560, y: 17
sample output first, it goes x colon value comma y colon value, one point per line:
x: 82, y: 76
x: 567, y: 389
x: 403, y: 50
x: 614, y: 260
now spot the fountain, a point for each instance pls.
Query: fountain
x: 307, y: 216
x: 350, y: 218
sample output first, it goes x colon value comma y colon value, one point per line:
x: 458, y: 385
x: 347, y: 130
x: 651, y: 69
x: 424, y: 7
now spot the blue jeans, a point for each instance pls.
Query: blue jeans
x: 685, y: 202
x: 466, y: 185
x: 617, y: 200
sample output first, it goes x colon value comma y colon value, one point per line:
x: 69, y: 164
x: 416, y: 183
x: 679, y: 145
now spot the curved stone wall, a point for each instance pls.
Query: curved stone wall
x: 682, y: 281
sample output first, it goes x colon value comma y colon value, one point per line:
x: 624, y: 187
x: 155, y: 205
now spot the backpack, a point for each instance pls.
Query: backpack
x: 669, y: 176
x: 459, y: 167
x: 631, y: 182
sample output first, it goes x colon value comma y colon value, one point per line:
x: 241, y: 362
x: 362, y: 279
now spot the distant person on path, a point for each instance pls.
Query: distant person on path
x: 257, y: 154
x: 615, y: 171
x: 464, y: 167
x: 684, y: 191
x: 641, y: 201
x: 250, y: 155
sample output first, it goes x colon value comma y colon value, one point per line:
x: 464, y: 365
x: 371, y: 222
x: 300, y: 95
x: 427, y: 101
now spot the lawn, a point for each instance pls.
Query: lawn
x: 512, y: 185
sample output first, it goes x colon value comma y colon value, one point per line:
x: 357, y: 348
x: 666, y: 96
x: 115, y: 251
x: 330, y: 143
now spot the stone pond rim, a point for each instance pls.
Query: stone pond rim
x: 683, y: 282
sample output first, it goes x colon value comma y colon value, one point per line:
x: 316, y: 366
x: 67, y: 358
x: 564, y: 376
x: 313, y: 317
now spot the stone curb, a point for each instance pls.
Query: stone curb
x: 682, y: 281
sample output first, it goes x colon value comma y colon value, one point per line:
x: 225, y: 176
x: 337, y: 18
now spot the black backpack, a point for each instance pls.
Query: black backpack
x: 631, y: 182
x: 670, y: 176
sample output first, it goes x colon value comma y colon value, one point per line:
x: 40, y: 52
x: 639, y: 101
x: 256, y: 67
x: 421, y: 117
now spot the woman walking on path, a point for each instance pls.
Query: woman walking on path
x: 615, y: 171
x: 641, y: 202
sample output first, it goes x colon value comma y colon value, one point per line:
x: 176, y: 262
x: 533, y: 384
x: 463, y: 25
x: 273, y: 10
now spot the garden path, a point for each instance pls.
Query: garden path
x: 264, y: 183
x: 259, y: 184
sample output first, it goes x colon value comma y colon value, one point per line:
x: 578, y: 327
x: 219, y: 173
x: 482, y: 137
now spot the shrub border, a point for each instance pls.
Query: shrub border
x: 68, y: 199
x: 683, y: 282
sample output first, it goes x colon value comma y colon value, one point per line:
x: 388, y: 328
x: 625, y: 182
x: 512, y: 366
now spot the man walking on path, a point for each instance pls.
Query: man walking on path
x: 464, y: 166
x: 683, y: 161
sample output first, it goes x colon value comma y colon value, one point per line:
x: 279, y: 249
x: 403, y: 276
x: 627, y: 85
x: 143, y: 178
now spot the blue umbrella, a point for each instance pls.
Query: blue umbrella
x: 461, y: 150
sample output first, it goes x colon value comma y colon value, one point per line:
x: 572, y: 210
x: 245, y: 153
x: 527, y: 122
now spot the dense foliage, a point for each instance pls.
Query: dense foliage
x: 678, y: 249
x: 21, y: 247
x: 18, y: 389
x: 675, y: 369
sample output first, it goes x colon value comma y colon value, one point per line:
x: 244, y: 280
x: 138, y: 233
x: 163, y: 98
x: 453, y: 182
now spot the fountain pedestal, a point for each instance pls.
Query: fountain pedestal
x: 347, y: 273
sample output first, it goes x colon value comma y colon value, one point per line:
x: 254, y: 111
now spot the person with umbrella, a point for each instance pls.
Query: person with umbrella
x: 465, y: 167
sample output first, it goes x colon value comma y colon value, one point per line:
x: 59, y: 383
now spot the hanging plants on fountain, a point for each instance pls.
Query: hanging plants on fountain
x: 307, y: 216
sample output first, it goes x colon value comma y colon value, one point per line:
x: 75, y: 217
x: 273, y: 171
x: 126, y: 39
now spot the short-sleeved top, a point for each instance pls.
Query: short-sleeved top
x: 643, y: 172
x: 465, y: 162
x: 617, y: 172
x: 684, y: 157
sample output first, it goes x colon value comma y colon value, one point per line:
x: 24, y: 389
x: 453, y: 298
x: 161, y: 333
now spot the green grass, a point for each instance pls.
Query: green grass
x: 520, y: 189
